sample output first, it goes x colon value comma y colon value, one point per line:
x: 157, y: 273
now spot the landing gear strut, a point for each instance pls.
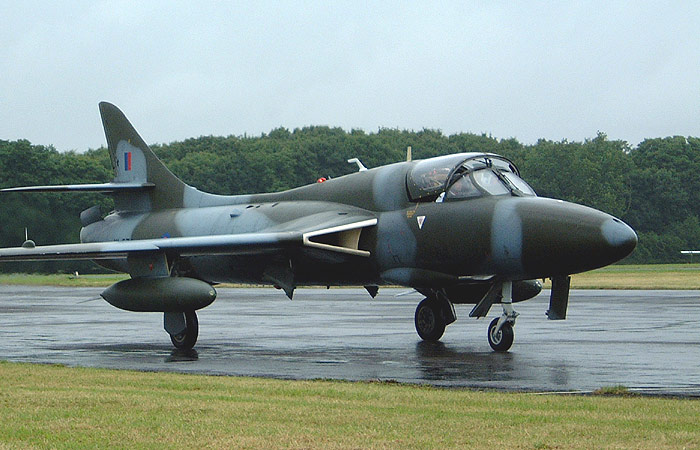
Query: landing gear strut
x: 436, y: 311
x: 500, y: 332
x: 186, y: 339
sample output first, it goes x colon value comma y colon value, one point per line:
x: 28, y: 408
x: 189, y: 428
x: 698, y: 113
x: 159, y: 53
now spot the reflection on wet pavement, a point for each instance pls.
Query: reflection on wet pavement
x: 178, y: 355
x: 646, y: 340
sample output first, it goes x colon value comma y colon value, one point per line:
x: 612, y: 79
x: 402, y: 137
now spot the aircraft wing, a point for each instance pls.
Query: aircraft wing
x: 100, y: 187
x: 187, y: 246
x: 328, y: 236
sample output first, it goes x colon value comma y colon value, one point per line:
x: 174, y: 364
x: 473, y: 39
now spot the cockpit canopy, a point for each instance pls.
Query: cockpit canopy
x: 465, y: 175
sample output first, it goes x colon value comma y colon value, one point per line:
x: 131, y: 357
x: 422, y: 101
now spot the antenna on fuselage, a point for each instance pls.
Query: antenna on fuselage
x: 360, y: 167
x: 409, y: 156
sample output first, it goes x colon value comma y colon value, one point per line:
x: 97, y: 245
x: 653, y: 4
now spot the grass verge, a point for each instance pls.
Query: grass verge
x: 58, y: 407
x: 655, y: 276
x: 652, y: 276
x: 34, y: 279
x: 617, y: 390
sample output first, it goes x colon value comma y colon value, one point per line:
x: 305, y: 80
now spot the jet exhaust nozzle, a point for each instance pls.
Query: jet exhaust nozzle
x: 166, y: 294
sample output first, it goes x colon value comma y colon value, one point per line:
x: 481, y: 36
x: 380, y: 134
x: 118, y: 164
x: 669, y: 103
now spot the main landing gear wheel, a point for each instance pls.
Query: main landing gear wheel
x: 430, y: 323
x: 187, y: 339
x: 502, y: 340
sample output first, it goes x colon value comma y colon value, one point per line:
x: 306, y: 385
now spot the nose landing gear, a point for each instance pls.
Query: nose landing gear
x: 436, y: 311
x: 500, y: 340
x: 500, y: 333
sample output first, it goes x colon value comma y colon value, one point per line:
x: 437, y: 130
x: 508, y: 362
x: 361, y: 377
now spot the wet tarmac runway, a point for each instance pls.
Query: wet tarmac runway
x: 646, y: 340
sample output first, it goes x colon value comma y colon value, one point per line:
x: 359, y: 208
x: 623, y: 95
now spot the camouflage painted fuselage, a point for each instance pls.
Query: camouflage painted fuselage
x: 462, y: 228
x: 416, y: 244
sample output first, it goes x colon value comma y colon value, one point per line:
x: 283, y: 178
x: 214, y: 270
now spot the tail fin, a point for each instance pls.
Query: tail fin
x: 135, y: 163
x: 141, y: 181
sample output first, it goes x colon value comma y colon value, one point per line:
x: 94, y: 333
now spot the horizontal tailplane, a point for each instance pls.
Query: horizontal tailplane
x: 141, y: 181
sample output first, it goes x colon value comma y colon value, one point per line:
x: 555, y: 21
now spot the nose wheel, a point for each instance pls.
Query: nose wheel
x: 501, y: 339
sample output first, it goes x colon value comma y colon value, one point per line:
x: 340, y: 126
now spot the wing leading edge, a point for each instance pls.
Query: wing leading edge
x: 341, y: 239
x: 228, y: 244
x: 99, y: 187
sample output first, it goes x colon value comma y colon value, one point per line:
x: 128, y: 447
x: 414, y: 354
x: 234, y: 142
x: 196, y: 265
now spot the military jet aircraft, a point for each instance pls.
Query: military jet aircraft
x: 460, y: 229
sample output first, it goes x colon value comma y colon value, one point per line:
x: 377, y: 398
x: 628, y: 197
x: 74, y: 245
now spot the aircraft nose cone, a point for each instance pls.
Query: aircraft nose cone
x: 565, y: 238
x: 619, y: 236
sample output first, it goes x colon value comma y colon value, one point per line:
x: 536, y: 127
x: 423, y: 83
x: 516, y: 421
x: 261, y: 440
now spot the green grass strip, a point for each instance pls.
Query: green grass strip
x: 33, y: 279
x: 653, y: 276
x: 59, y: 407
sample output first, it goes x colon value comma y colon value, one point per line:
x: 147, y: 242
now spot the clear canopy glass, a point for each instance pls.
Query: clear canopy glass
x: 465, y: 175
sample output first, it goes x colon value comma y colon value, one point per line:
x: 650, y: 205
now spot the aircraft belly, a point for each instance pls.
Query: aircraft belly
x: 118, y: 265
x: 355, y: 272
x: 229, y: 269
x: 250, y: 269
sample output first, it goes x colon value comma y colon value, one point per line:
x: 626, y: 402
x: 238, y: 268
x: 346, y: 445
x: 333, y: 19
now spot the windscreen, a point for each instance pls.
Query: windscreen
x: 429, y: 177
x: 464, y: 175
x: 519, y: 183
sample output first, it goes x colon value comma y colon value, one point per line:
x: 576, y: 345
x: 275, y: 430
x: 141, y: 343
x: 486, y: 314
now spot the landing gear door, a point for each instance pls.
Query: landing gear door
x: 559, y: 298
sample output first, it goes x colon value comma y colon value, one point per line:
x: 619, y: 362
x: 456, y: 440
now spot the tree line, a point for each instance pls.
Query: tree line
x: 654, y: 186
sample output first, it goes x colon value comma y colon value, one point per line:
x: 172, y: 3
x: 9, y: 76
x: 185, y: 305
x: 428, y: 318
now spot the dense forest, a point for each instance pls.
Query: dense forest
x: 654, y: 187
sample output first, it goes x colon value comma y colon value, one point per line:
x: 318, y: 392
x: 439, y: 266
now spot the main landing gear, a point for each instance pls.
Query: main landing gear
x: 435, y: 312
x: 430, y: 323
x: 183, y: 329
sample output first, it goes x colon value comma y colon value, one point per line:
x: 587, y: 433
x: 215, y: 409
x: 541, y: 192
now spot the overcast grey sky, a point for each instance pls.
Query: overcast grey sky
x: 181, y: 69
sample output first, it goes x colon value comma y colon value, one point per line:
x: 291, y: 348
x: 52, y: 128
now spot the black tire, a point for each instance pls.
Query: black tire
x: 187, y: 339
x: 502, y: 340
x: 430, y: 323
